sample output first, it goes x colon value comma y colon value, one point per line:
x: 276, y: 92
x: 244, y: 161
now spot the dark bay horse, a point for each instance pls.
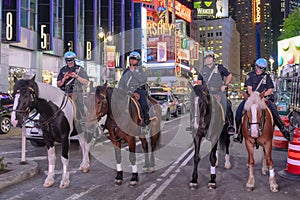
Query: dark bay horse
x: 56, y: 119
x: 207, y: 115
x: 122, y: 122
x: 257, y: 128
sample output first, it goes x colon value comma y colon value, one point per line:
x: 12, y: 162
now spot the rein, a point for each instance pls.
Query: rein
x: 62, y: 106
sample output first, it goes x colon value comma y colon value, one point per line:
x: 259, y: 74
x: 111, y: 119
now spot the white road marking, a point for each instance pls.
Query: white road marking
x: 20, y: 195
x: 160, y: 189
x: 78, y: 196
x: 165, y: 184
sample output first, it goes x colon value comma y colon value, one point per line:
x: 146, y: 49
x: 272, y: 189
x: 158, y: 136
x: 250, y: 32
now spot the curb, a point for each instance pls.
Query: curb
x: 18, y: 171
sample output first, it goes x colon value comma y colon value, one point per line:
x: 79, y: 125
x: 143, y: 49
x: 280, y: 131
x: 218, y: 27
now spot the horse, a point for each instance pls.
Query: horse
x: 207, y: 124
x: 56, y: 120
x: 122, y: 122
x: 257, y: 129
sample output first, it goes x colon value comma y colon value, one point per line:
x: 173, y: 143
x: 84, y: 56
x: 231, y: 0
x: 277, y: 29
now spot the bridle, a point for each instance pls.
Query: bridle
x: 102, y: 101
x: 27, y: 110
x: 260, y: 123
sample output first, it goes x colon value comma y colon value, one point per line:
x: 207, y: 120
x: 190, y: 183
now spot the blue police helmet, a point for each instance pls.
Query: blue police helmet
x: 209, y: 53
x: 135, y: 55
x: 69, y: 55
x: 261, y: 63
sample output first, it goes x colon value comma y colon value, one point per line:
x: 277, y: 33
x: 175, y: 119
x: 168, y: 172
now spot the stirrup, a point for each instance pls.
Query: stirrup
x: 231, y: 130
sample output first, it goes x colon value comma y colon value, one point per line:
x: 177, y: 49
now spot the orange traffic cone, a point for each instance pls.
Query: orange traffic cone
x: 292, y: 170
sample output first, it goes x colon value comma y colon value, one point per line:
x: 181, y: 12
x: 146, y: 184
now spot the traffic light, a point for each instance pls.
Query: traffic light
x: 178, y: 70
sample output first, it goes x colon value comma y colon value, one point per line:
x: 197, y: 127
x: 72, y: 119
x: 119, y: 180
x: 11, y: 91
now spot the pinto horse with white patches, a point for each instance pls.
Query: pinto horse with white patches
x: 257, y: 128
x: 56, y: 119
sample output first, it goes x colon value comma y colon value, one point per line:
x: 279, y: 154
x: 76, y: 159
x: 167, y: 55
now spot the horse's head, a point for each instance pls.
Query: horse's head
x: 101, y: 101
x: 24, y: 94
x: 203, y: 98
x: 255, y: 107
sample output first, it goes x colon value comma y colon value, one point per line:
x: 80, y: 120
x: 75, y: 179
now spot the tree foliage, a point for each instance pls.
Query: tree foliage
x: 291, y: 25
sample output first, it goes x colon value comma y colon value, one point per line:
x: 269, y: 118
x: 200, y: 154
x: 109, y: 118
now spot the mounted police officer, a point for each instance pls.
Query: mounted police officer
x: 259, y: 80
x: 134, y: 80
x: 212, y: 75
x: 71, y: 79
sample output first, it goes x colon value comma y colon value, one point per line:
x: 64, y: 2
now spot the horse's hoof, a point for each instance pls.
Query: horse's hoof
x: 133, y: 183
x: 118, y: 182
x: 227, y: 166
x: 274, y: 188
x: 85, y: 170
x: 249, y: 189
x: 193, y: 186
x: 212, y: 185
x: 48, y: 184
x: 148, y: 169
x: 64, y: 185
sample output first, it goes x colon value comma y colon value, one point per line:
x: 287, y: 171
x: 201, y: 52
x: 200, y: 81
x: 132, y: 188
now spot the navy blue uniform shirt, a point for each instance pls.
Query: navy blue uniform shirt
x: 252, y: 79
x: 223, y: 71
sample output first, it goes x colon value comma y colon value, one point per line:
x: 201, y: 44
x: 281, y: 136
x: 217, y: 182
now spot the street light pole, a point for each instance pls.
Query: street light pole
x: 106, y: 38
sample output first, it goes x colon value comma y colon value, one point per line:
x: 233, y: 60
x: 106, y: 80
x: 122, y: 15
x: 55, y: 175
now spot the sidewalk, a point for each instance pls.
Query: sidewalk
x: 17, y: 171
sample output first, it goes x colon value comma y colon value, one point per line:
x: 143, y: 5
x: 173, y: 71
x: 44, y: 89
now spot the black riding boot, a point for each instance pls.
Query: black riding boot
x: 230, y: 118
x: 284, y: 130
x: 146, y: 117
x: 239, y: 137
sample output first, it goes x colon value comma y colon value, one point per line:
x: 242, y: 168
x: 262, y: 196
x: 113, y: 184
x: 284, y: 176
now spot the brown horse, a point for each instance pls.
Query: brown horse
x: 257, y: 128
x: 122, y: 122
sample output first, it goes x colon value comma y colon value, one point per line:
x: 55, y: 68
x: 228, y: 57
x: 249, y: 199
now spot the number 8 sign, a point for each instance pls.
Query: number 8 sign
x: 11, y: 17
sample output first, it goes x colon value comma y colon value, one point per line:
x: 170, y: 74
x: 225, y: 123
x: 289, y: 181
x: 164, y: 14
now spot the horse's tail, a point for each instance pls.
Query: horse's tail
x: 224, y: 137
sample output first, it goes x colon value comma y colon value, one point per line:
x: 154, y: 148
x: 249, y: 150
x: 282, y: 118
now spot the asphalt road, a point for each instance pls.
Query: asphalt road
x: 169, y: 181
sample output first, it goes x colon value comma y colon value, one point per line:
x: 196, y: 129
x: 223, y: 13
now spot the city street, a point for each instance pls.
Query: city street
x: 169, y: 181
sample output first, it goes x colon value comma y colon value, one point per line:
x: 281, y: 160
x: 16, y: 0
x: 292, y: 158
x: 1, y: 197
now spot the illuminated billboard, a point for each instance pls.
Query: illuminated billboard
x: 211, y: 8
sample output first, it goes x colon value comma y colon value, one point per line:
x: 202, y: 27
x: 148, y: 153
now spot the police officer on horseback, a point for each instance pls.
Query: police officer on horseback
x: 71, y: 79
x: 134, y: 80
x: 212, y: 75
x: 259, y: 80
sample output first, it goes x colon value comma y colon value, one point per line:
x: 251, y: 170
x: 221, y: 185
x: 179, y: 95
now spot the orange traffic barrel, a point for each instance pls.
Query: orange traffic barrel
x: 293, y: 160
x: 279, y: 141
x: 296, y: 137
x: 292, y: 170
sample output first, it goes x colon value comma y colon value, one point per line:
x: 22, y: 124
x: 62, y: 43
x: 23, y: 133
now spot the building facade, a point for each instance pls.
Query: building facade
x: 221, y: 36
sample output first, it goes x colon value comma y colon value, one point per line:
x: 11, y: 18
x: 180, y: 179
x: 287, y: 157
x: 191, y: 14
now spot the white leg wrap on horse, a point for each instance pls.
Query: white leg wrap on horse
x: 51, y: 156
x: 134, y: 169
x: 212, y: 170
x: 119, y: 167
x: 272, y: 172
x: 65, y: 163
x: 51, y: 168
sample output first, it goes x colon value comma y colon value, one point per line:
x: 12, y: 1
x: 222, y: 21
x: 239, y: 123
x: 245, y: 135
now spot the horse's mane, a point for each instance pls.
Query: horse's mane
x: 255, y: 99
x: 201, y: 91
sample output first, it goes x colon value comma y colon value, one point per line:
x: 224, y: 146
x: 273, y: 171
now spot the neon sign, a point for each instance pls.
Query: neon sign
x: 180, y: 10
x: 256, y: 11
x: 159, y: 28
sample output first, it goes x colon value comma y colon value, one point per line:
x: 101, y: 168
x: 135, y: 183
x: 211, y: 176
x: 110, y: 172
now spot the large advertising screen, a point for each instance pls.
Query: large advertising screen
x: 211, y: 8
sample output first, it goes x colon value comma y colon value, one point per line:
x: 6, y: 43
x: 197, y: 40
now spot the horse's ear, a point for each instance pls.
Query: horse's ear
x: 262, y: 94
x: 33, y: 78
x: 245, y: 95
x: 15, y: 79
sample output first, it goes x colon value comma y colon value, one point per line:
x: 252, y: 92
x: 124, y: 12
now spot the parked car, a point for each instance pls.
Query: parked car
x: 184, y: 102
x: 235, y: 95
x: 34, y: 133
x: 168, y: 104
x: 6, y: 106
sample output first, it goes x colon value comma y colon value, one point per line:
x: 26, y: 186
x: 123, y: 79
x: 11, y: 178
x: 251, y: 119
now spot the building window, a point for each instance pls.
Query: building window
x: 58, y: 18
x: 28, y: 14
